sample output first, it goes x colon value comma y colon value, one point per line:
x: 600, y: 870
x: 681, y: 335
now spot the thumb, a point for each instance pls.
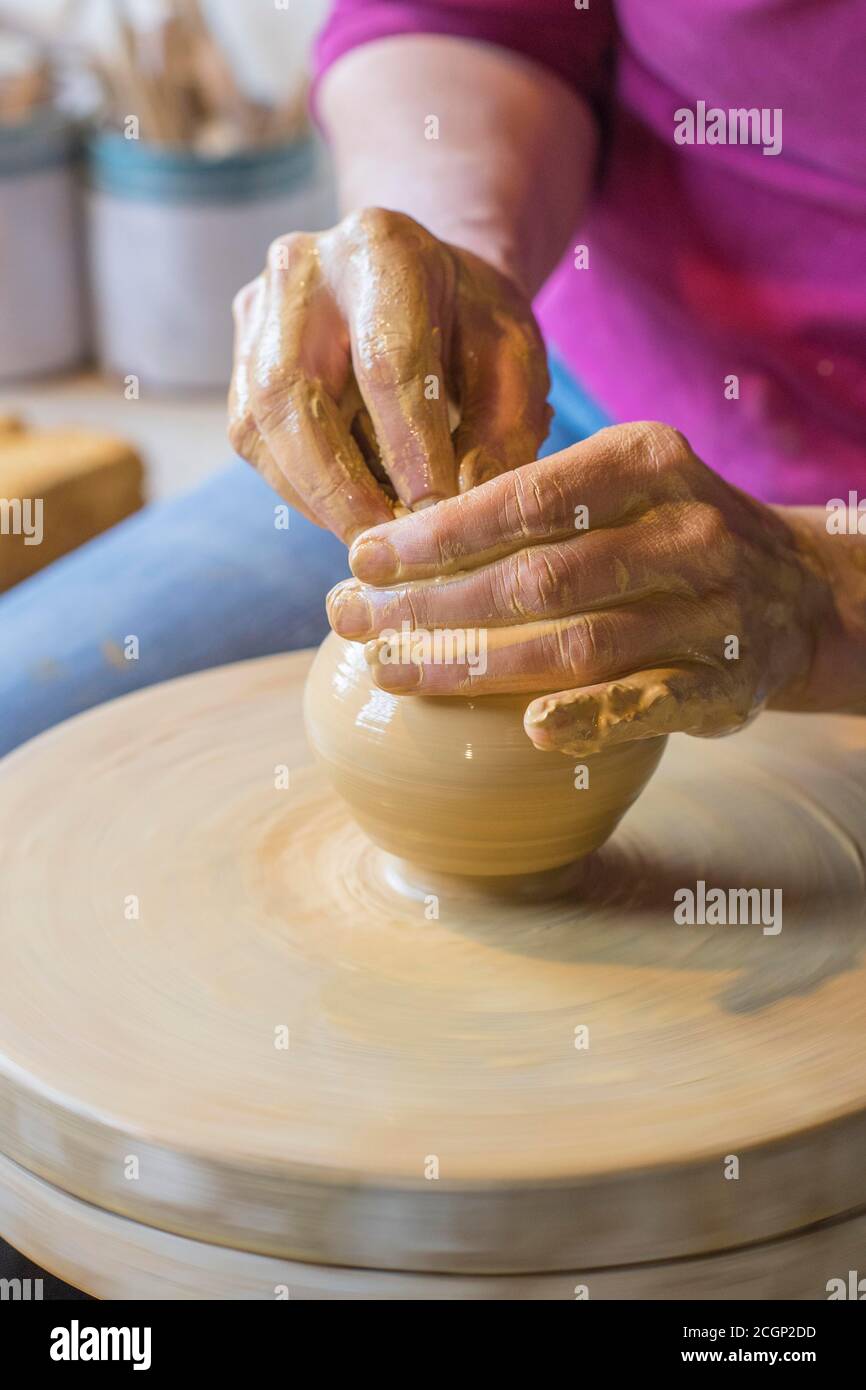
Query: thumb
x: 693, y: 699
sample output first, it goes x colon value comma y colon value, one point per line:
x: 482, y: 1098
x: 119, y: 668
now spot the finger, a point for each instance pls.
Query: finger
x: 500, y: 365
x: 243, y: 431
x: 612, y: 477
x: 551, y: 655
x: 298, y: 370
x: 314, y: 448
x: 364, y: 435
x: 605, y: 567
x: 395, y: 306
x: 699, y: 699
x: 357, y: 418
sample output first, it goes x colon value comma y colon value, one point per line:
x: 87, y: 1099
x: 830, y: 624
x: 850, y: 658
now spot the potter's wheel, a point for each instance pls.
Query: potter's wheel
x: 416, y: 1042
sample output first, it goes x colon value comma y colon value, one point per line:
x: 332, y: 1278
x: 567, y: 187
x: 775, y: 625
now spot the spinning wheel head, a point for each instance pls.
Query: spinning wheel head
x: 264, y: 913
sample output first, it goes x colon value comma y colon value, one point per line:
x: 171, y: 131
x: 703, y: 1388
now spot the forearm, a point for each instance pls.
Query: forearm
x: 510, y: 169
x: 836, y: 679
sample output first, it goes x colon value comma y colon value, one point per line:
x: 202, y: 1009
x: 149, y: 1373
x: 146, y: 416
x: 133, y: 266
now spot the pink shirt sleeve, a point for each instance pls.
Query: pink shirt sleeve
x: 576, y: 44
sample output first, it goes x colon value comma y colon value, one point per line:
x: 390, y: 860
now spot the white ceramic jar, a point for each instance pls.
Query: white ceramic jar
x: 43, y: 324
x: 173, y: 236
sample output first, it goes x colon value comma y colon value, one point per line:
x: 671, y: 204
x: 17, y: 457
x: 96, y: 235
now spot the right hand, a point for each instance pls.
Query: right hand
x: 347, y: 350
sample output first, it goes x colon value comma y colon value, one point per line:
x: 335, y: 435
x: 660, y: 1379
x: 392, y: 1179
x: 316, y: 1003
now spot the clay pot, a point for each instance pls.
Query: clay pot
x: 455, y: 785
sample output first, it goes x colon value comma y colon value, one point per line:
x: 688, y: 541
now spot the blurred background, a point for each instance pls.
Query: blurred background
x: 149, y: 152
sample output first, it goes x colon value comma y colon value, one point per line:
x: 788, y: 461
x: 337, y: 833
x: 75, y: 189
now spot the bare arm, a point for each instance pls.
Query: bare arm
x: 835, y: 679
x: 507, y: 176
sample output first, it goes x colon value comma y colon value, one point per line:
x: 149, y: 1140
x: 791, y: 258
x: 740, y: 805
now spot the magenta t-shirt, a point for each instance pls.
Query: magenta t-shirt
x: 722, y: 290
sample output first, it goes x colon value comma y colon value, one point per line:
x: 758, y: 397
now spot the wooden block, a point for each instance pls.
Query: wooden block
x: 58, y: 489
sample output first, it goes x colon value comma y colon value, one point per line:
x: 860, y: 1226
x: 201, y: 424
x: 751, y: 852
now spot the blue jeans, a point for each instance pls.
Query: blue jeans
x: 200, y: 580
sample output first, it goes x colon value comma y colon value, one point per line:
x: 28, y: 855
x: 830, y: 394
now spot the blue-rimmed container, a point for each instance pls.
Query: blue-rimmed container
x: 173, y: 236
x: 42, y: 302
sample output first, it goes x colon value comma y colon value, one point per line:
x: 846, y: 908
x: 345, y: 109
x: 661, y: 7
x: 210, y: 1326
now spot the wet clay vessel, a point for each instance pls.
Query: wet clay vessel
x: 455, y: 786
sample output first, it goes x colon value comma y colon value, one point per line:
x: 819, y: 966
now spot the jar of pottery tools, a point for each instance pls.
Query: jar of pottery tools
x: 190, y: 179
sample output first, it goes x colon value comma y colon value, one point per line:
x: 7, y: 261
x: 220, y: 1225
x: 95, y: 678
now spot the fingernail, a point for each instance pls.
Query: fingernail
x: 479, y: 466
x: 539, y: 711
x: 389, y: 667
x: 402, y: 675
x: 374, y: 560
x: 429, y: 501
x: 544, y: 724
x: 349, y: 612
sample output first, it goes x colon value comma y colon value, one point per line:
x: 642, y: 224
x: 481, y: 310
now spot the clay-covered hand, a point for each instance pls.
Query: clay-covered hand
x: 349, y: 348
x: 621, y: 574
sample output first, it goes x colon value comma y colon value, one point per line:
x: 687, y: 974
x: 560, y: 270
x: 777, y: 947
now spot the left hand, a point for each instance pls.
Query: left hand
x: 622, y: 575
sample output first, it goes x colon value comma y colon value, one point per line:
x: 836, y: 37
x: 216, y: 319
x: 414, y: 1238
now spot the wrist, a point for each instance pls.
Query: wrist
x: 492, y: 178
x: 833, y: 613
x: 496, y: 249
x: 476, y: 231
